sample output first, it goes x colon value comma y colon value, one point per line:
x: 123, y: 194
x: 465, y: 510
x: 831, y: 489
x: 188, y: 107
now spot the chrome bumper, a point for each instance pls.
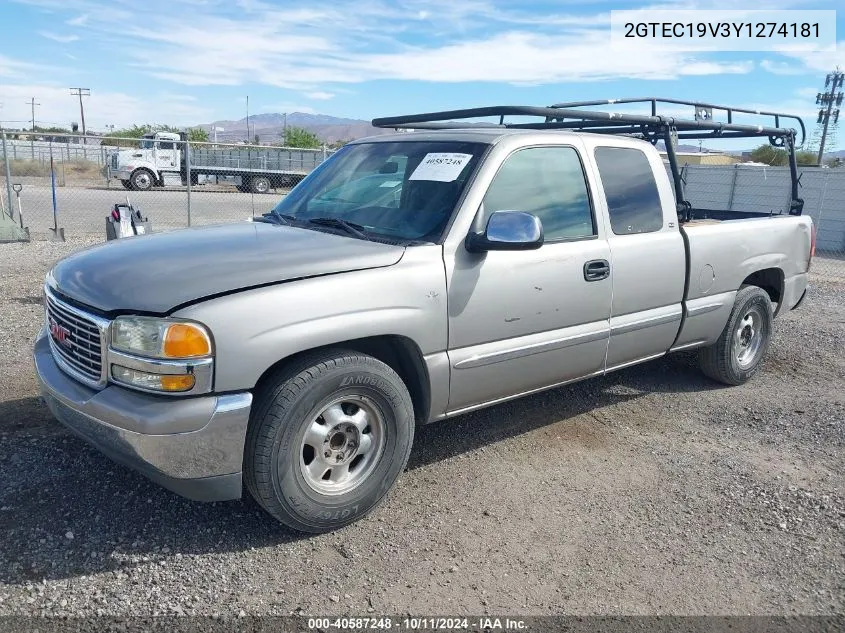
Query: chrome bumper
x: 192, y: 446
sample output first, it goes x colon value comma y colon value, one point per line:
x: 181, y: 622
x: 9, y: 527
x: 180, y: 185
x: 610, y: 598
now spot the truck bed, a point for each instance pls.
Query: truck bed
x: 724, y: 254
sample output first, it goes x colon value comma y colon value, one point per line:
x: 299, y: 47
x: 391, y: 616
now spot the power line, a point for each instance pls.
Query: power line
x: 81, y: 92
x: 32, y: 104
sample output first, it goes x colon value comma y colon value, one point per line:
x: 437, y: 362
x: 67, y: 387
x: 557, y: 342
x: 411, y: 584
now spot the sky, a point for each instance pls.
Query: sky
x: 185, y: 62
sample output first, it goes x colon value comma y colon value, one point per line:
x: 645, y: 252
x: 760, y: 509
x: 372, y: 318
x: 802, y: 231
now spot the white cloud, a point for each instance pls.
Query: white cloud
x: 320, y: 96
x: 301, y: 47
x: 80, y: 20
x: 782, y: 68
x: 59, y: 107
x: 822, y: 61
x: 56, y: 37
x: 13, y: 68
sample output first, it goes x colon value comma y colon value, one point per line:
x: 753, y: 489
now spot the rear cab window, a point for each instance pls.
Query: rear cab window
x: 633, y: 201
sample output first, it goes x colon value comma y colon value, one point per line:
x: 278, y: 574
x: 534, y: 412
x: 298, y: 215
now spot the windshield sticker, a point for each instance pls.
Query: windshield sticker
x: 390, y: 183
x: 441, y: 166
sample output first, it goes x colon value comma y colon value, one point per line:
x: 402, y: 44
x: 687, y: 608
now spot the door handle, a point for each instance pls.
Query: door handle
x: 596, y: 270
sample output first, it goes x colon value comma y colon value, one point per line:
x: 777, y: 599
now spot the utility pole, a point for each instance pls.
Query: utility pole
x: 247, y: 119
x: 285, y: 131
x: 827, y: 100
x: 32, y: 103
x: 81, y: 92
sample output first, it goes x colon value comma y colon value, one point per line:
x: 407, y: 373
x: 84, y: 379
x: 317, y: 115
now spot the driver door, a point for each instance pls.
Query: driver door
x: 165, y: 155
x: 520, y: 321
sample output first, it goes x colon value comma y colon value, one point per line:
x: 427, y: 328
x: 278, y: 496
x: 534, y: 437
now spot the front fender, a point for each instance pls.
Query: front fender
x: 254, y: 329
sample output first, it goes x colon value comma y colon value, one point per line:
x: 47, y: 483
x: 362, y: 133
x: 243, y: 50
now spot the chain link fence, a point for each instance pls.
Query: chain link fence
x: 760, y: 189
x: 176, y: 184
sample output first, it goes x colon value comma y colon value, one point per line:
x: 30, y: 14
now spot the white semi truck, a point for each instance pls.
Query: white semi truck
x: 253, y: 168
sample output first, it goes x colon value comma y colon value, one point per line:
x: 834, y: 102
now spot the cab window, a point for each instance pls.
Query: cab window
x: 548, y: 182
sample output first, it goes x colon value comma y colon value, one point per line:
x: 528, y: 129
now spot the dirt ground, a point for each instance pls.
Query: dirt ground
x: 649, y: 491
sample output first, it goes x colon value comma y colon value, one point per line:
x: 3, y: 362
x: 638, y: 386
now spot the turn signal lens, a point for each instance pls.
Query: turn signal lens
x: 177, y: 383
x: 157, y: 382
x: 185, y: 340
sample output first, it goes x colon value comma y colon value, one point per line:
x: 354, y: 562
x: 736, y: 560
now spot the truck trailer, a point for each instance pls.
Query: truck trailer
x: 256, y: 169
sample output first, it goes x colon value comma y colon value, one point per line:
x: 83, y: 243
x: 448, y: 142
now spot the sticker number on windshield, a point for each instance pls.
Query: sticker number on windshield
x: 441, y: 166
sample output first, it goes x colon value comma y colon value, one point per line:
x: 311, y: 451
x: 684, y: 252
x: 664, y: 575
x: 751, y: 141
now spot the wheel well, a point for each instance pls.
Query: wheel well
x: 398, y: 352
x: 770, y: 280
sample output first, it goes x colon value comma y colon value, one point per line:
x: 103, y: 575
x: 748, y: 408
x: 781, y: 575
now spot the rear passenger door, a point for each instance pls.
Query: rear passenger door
x: 648, y: 258
x: 524, y: 320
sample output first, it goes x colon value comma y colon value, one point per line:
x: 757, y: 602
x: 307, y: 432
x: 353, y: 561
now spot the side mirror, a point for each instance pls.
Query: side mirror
x: 508, y: 231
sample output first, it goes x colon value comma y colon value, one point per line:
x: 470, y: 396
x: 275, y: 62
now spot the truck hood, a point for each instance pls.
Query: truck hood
x: 156, y: 273
x: 126, y: 156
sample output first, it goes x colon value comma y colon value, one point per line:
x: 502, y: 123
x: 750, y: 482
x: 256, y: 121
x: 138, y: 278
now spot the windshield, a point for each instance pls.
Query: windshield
x: 405, y: 190
x: 147, y: 143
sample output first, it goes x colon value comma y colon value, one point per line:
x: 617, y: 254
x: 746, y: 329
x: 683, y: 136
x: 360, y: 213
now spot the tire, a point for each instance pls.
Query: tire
x: 126, y: 184
x: 315, y: 414
x: 141, y: 180
x: 739, y: 351
x: 259, y: 184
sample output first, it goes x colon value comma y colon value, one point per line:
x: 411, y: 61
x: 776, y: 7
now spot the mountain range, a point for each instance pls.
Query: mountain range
x: 269, y: 127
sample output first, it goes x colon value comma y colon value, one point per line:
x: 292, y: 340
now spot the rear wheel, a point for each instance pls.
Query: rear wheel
x: 738, y: 353
x: 259, y: 184
x: 141, y: 180
x: 328, y: 437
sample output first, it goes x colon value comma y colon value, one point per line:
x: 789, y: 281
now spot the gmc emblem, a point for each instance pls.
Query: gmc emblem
x: 60, y: 334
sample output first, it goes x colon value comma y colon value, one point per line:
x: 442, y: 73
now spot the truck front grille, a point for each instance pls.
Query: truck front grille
x: 77, y: 340
x: 115, y: 162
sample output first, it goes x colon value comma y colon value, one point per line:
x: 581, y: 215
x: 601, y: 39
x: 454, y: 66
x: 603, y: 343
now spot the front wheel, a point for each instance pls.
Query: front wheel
x: 738, y: 352
x: 328, y: 437
x: 141, y: 180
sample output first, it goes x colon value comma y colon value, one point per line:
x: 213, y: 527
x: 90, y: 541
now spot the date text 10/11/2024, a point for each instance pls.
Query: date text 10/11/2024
x: 418, y: 624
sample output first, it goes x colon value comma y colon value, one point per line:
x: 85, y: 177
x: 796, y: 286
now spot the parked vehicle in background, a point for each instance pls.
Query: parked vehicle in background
x: 296, y: 355
x: 257, y: 169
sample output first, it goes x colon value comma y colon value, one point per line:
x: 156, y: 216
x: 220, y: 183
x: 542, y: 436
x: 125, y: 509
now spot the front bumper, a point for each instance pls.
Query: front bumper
x: 192, y: 446
x: 121, y: 174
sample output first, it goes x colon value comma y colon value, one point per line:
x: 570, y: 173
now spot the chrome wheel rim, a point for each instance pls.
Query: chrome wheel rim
x: 748, y: 338
x: 142, y: 180
x: 262, y: 186
x: 342, y: 445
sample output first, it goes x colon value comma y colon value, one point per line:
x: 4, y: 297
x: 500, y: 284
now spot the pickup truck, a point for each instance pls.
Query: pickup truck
x: 295, y: 354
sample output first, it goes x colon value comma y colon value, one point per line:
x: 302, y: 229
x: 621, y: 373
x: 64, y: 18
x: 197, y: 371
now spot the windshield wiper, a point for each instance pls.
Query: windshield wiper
x: 350, y: 227
x: 274, y: 218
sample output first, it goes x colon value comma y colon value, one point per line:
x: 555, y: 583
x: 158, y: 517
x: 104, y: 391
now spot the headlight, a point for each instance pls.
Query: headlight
x: 160, y: 338
x: 161, y: 355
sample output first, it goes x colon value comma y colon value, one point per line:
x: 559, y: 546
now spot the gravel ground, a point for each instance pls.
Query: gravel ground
x: 650, y: 491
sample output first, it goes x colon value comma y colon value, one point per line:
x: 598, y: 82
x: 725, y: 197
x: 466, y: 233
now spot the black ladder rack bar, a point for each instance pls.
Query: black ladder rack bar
x: 653, y: 101
x: 574, y: 116
x: 555, y: 118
